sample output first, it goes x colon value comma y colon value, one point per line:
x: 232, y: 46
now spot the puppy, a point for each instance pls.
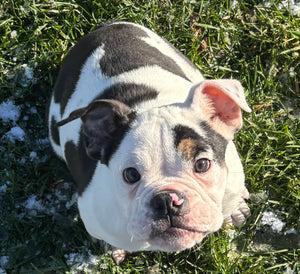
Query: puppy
x: 148, y: 141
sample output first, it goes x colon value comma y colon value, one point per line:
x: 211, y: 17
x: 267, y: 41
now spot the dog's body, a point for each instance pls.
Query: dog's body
x: 152, y: 153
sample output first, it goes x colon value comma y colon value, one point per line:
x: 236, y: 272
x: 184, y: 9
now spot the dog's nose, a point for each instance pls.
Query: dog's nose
x: 169, y: 203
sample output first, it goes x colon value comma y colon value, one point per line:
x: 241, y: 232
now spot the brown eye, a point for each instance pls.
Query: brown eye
x: 131, y: 175
x: 202, y: 165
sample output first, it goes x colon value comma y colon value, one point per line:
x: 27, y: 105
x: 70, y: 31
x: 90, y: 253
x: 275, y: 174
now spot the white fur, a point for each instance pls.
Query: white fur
x: 119, y: 213
x: 91, y: 80
x: 157, y: 42
x: 149, y: 148
x: 236, y: 192
x: 54, y: 111
x: 173, y: 89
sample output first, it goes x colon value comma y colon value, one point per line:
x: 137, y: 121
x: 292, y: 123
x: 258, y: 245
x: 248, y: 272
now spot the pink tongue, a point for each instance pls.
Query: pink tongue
x: 175, y: 199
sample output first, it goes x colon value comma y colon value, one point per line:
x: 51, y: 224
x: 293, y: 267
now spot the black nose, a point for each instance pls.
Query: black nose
x: 169, y: 203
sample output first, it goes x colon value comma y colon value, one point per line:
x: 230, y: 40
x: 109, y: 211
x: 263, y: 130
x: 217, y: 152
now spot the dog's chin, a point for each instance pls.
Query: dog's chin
x: 175, y: 239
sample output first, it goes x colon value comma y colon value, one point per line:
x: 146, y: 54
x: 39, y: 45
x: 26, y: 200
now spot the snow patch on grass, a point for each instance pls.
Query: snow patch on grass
x: 33, y: 205
x: 288, y: 270
x: 33, y: 156
x: 9, y: 112
x: 293, y: 6
x: 14, y: 134
x: 27, y: 77
x: 82, y: 261
x: 3, y: 188
x: 3, y: 261
x: 51, y: 204
x: 271, y: 219
x: 13, y: 34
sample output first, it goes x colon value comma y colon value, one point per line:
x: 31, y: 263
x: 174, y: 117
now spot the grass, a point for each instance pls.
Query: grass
x: 256, y: 44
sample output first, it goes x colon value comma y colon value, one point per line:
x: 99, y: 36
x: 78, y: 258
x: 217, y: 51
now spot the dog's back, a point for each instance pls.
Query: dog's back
x: 121, y: 61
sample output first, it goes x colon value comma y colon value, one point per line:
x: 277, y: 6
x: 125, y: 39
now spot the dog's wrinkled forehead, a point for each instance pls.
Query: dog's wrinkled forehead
x: 153, y: 138
x: 191, y: 144
x: 160, y: 135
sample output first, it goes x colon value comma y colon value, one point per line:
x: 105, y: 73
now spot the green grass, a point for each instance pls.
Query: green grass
x: 255, y: 44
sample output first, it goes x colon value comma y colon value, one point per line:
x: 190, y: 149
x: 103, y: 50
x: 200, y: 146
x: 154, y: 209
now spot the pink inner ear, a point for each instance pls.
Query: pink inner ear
x: 225, y: 109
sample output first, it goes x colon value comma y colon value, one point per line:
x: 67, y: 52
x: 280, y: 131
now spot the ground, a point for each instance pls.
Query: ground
x: 256, y: 42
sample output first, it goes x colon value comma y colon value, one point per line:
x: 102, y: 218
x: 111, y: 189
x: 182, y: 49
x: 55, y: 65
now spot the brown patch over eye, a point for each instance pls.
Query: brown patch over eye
x: 188, y: 148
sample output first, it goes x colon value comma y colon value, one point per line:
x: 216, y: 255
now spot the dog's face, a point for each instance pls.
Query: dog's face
x: 163, y: 184
x: 172, y: 178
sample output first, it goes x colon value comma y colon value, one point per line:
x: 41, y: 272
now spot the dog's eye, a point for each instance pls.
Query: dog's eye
x: 131, y: 175
x: 202, y: 165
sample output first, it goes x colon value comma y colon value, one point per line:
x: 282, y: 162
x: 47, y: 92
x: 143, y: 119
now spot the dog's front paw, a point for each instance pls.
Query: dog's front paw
x: 118, y: 255
x: 239, y: 215
x: 235, y: 208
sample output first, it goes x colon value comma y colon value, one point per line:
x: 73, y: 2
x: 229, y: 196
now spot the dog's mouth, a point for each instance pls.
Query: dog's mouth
x: 175, y: 229
x: 175, y: 237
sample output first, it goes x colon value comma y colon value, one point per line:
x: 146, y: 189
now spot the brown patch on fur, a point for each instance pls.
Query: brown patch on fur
x: 188, y: 148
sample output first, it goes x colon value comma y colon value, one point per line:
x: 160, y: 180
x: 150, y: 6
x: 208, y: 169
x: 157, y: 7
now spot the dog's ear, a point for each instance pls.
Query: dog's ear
x: 220, y: 102
x: 104, y: 124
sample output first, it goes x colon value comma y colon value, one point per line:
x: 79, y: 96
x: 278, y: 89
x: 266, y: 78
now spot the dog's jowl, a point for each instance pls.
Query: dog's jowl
x: 148, y: 141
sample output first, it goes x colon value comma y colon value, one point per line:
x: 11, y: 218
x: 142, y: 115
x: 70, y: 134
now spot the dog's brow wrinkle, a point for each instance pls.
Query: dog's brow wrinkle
x: 189, y: 142
x: 188, y: 148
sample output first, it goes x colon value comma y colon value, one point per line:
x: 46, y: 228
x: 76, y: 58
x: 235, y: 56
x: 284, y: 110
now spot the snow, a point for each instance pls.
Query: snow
x: 33, y: 110
x: 291, y: 5
x: 69, y: 204
x: 292, y: 72
x: 13, y: 34
x: 44, y: 141
x: 271, y: 219
x: 50, y: 203
x: 33, y: 155
x: 15, y: 134
x: 3, y: 261
x: 27, y: 77
x: 33, y: 205
x: 288, y: 270
x: 82, y: 261
x: 9, y: 112
x: 3, y: 188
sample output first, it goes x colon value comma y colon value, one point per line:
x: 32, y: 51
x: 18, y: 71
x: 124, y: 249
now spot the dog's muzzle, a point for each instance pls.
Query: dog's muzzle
x: 168, y: 208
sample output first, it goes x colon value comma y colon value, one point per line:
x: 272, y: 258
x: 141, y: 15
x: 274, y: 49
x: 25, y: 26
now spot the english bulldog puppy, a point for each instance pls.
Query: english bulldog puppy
x: 148, y: 141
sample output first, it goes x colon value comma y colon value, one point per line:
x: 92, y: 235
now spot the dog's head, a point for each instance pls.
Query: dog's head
x: 162, y: 176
